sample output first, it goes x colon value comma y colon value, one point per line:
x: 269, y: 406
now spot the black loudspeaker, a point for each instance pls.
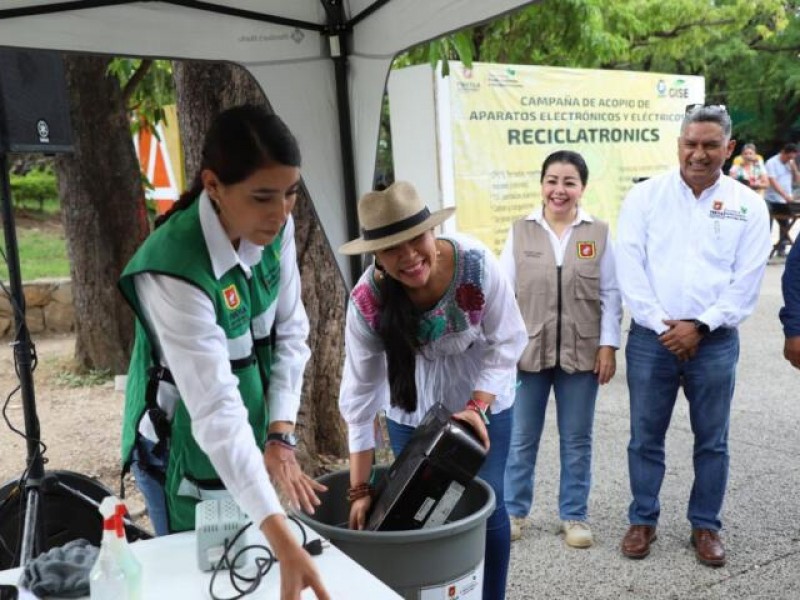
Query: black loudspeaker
x: 34, y: 102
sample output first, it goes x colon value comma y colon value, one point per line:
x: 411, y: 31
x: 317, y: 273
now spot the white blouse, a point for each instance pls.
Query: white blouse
x: 471, y: 340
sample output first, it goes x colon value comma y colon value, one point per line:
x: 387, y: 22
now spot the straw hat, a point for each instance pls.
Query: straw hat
x: 393, y: 216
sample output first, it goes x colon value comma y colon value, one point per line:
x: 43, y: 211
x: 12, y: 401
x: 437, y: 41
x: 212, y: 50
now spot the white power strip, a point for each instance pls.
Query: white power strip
x: 217, y: 522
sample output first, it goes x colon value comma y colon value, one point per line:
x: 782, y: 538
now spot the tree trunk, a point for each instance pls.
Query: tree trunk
x: 103, y: 212
x: 203, y: 90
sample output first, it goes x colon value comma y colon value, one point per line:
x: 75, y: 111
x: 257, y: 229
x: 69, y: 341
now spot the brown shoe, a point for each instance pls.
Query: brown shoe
x: 708, y: 547
x: 636, y: 543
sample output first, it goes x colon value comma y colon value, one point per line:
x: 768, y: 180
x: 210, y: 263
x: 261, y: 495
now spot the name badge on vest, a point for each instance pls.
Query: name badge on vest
x: 586, y: 250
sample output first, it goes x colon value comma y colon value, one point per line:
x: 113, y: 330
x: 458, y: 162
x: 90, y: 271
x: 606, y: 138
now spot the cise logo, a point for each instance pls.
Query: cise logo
x: 231, y: 295
x: 679, y: 88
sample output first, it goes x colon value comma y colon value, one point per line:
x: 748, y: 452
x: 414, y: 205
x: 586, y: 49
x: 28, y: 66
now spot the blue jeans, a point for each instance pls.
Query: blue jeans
x: 498, y: 531
x: 708, y: 379
x: 146, y: 466
x: 575, y: 399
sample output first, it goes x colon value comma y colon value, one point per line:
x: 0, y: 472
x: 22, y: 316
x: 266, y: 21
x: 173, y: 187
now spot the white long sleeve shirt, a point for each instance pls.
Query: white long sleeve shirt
x: 467, y: 348
x: 610, y: 298
x: 194, y: 348
x: 682, y: 257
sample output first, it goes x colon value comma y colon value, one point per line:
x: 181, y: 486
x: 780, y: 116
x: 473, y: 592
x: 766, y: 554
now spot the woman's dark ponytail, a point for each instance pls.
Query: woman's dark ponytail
x: 185, y: 201
x: 398, y: 330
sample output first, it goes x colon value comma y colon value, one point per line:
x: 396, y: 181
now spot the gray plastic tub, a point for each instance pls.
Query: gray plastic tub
x: 417, y: 564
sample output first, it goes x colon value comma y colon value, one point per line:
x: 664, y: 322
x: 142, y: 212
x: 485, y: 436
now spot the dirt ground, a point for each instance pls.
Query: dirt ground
x: 79, y: 425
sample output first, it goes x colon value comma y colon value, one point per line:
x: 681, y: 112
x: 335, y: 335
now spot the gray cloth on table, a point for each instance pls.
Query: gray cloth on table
x: 62, y: 571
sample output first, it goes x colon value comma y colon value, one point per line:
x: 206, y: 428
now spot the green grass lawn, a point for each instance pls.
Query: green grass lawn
x: 42, y: 252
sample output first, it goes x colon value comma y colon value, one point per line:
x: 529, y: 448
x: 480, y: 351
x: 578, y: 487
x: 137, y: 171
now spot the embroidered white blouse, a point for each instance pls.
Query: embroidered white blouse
x: 471, y: 340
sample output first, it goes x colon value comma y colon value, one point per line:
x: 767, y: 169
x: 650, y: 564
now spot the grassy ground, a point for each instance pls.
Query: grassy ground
x: 42, y: 248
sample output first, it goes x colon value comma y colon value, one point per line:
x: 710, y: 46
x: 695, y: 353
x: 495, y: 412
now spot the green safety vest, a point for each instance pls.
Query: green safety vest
x: 178, y: 249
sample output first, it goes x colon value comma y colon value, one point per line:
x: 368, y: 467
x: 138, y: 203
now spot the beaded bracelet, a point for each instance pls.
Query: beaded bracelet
x: 359, y: 491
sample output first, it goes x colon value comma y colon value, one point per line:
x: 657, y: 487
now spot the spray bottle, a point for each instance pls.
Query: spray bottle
x: 107, y: 579
x: 130, y: 564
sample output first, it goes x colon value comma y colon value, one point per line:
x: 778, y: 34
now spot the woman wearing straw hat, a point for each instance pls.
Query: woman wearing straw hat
x: 434, y: 320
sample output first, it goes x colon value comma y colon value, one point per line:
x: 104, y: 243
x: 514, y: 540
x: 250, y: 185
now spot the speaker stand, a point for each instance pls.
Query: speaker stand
x: 37, y: 485
x: 23, y: 356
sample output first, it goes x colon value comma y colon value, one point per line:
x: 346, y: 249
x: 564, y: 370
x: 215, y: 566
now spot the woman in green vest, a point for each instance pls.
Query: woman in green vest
x: 216, y: 372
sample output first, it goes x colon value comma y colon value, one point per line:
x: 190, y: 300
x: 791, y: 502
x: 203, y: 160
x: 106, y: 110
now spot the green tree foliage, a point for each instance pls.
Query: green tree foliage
x: 747, y: 50
x: 35, y: 188
x: 147, y: 86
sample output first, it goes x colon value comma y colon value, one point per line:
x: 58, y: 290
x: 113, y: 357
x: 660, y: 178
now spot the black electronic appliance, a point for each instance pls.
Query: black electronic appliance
x: 425, y: 482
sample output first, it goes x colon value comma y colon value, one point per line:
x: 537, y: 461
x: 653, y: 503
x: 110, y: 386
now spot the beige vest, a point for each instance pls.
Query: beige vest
x: 561, y: 309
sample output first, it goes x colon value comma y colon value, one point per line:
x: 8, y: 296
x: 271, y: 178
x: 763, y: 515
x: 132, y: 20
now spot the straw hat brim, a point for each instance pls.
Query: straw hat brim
x: 362, y: 246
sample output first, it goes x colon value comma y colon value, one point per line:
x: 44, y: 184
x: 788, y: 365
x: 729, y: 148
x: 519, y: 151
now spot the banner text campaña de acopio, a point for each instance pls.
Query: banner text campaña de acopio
x: 582, y: 135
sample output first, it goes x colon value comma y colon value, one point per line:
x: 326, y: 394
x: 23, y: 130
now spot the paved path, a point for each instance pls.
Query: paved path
x: 762, y: 508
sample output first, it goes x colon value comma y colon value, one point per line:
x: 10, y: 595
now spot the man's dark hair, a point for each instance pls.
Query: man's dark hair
x: 714, y: 113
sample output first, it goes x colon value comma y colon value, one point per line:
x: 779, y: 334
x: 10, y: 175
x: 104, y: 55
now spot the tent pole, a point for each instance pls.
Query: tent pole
x: 24, y: 357
x: 339, y: 57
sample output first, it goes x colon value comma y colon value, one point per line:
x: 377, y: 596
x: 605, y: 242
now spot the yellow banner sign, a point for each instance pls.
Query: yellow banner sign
x: 504, y: 120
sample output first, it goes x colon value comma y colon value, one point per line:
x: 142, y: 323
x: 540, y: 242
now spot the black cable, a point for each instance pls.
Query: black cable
x: 263, y: 565
x: 17, y: 309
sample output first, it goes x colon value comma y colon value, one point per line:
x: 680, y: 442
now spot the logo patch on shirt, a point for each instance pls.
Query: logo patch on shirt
x: 718, y: 211
x: 231, y: 297
x: 586, y: 250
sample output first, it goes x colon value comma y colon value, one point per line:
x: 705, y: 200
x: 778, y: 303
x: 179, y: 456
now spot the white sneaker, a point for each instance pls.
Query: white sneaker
x: 517, y: 523
x: 577, y: 534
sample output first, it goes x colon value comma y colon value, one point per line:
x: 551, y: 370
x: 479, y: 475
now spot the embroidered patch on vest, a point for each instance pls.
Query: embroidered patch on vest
x: 231, y: 297
x: 586, y: 250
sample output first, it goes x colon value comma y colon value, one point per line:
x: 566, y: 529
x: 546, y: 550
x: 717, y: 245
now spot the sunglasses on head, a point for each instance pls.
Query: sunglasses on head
x: 690, y: 108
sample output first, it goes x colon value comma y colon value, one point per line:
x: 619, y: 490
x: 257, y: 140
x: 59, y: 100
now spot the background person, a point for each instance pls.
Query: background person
x: 691, y: 251
x: 434, y: 320
x: 750, y: 170
x: 783, y: 175
x: 560, y: 262
x: 790, y: 312
x: 211, y: 400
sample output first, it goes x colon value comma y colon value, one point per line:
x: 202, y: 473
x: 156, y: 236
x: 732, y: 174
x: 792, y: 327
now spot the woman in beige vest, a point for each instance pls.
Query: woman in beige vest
x: 560, y: 263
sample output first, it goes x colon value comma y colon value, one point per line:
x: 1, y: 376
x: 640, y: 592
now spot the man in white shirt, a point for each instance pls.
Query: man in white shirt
x: 692, y: 245
x: 783, y: 174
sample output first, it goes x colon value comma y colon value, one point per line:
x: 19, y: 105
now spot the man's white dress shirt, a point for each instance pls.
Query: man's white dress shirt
x: 682, y: 257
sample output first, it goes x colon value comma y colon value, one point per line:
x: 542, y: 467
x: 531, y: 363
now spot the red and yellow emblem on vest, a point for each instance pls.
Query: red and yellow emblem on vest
x: 717, y: 206
x: 586, y: 250
x: 231, y: 297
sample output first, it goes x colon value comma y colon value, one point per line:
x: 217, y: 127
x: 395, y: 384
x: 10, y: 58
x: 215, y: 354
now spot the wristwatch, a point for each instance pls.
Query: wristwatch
x: 287, y: 439
x: 701, y: 327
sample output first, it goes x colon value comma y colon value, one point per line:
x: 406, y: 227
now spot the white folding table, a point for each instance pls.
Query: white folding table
x: 169, y: 566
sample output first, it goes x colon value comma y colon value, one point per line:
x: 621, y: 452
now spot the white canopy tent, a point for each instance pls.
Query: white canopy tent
x: 323, y: 64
